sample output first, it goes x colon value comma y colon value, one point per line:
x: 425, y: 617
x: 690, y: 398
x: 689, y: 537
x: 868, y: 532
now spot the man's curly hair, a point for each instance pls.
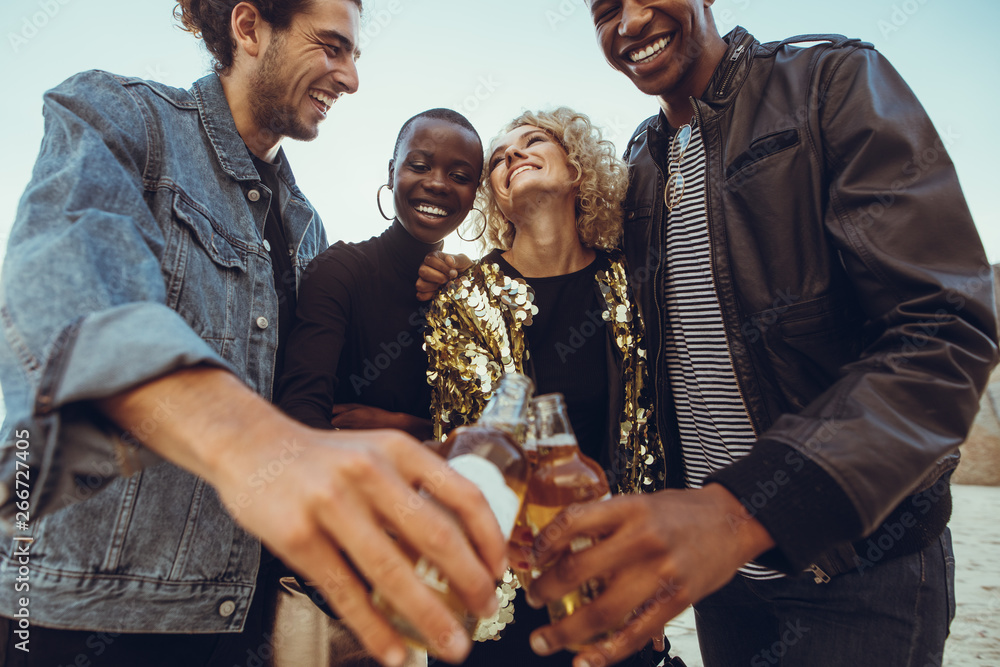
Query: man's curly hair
x: 210, y: 20
x: 602, y: 186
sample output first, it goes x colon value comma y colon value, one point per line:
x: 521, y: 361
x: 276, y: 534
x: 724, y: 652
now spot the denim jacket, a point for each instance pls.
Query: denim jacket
x: 137, y: 250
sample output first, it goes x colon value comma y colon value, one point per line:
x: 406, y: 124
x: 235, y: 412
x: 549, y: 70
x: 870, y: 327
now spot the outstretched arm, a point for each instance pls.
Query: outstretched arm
x: 658, y: 554
x: 337, y: 500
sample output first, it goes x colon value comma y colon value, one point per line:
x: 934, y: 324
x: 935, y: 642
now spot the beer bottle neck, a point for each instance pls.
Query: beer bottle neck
x: 552, y: 426
x: 508, y: 408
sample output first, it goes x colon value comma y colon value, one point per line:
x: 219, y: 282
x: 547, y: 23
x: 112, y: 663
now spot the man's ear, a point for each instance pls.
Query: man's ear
x: 249, y: 29
x: 392, y: 172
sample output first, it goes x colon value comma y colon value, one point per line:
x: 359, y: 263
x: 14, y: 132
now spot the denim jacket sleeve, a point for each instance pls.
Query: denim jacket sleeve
x: 83, y: 298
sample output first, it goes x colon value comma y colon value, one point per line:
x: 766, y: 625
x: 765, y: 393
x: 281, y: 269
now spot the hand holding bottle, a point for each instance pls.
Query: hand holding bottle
x: 562, y: 476
x: 489, y: 455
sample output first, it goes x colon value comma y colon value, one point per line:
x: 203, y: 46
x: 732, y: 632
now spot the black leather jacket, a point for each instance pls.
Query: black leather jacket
x: 855, y: 293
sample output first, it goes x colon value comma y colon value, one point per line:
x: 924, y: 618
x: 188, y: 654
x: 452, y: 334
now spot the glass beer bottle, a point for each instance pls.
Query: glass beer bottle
x: 489, y: 454
x: 562, y: 476
x: 521, y: 541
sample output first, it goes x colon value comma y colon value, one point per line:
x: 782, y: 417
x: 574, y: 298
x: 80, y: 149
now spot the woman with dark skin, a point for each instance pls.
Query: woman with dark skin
x: 354, y: 359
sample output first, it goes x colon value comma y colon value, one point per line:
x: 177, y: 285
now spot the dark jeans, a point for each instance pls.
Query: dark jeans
x: 83, y: 648
x: 896, y: 613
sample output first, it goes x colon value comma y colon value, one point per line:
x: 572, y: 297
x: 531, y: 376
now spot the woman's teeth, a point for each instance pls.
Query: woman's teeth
x: 517, y: 171
x: 431, y: 210
x: 651, y: 50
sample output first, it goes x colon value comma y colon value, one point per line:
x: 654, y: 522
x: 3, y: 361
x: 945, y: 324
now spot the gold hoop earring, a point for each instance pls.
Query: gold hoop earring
x: 479, y: 235
x: 378, y: 200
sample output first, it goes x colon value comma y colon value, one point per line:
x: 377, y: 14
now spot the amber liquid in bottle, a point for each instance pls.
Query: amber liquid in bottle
x: 489, y: 454
x: 562, y: 476
x: 522, y: 538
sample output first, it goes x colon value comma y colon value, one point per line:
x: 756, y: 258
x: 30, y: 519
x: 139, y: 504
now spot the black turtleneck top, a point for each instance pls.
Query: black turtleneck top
x: 359, y: 331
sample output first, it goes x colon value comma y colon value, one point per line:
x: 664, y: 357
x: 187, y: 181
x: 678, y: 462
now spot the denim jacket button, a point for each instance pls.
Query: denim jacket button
x: 227, y: 608
x: 253, y: 195
x: 262, y: 322
x: 267, y: 246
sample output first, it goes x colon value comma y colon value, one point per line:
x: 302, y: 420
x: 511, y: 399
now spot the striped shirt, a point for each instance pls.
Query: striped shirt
x: 715, y: 428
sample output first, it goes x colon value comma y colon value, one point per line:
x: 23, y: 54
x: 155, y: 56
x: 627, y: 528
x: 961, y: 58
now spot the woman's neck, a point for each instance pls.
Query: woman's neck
x: 548, y: 245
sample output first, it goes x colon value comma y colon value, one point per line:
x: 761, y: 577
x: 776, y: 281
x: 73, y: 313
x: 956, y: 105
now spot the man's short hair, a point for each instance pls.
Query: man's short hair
x: 210, y: 19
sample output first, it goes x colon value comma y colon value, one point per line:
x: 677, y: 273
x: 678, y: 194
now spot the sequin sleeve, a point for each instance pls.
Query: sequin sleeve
x: 474, y: 335
x: 457, y: 363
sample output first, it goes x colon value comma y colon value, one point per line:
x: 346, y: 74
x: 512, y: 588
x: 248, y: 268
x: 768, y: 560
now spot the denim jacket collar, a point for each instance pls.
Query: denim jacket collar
x: 234, y: 156
x: 217, y: 117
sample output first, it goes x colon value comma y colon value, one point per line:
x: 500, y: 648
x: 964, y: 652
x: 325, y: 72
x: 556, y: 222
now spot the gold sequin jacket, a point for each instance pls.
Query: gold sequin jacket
x: 475, y: 334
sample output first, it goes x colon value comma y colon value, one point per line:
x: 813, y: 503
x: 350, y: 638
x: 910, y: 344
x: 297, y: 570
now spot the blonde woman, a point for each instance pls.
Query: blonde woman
x: 550, y: 299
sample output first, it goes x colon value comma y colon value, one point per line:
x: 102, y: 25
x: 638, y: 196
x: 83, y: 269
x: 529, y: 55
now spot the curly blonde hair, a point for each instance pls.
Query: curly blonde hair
x: 602, y: 186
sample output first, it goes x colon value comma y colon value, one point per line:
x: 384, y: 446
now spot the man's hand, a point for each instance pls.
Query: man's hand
x: 354, y: 416
x: 438, y: 268
x: 660, y: 553
x: 324, y: 501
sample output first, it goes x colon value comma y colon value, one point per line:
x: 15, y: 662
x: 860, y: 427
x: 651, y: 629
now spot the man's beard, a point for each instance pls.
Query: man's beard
x: 267, y: 89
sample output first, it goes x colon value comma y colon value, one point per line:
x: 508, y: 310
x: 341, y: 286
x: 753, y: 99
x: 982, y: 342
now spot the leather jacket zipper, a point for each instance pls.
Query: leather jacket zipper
x: 721, y: 90
x: 657, y: 296
x: 713, y: 248
x: 819, y: 576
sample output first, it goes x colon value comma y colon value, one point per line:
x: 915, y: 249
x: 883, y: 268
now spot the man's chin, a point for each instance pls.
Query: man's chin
x: 300, y: 131
x: 287, y: 125
x: 304, y: 134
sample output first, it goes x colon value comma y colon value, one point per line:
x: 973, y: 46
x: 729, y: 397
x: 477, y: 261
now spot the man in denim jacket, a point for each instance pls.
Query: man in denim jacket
x: 141, y: 459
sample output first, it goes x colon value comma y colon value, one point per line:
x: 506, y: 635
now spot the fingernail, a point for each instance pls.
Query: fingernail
x: 458, y: 642
x: 490, y: 609
x: 540, y: 645
x: 395, y: 657
x: 590, y: 660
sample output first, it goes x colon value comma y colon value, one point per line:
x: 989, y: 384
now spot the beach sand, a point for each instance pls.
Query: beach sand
x: 975, y: 632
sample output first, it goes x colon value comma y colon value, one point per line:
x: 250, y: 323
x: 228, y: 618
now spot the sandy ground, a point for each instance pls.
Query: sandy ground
x: 975, y: 632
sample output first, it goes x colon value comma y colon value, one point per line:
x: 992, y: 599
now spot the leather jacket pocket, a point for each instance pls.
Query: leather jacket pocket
x: 761, y: 148
x: 808, y: 344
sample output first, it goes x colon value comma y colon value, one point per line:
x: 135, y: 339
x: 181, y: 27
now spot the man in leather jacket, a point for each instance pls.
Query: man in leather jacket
x: 794, y: 207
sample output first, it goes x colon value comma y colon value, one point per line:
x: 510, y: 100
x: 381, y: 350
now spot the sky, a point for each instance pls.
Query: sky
x: 490, y: 60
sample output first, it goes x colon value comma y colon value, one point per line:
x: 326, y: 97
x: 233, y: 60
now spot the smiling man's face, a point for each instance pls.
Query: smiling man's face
x: 667, y: 48
x: 305, y: 68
